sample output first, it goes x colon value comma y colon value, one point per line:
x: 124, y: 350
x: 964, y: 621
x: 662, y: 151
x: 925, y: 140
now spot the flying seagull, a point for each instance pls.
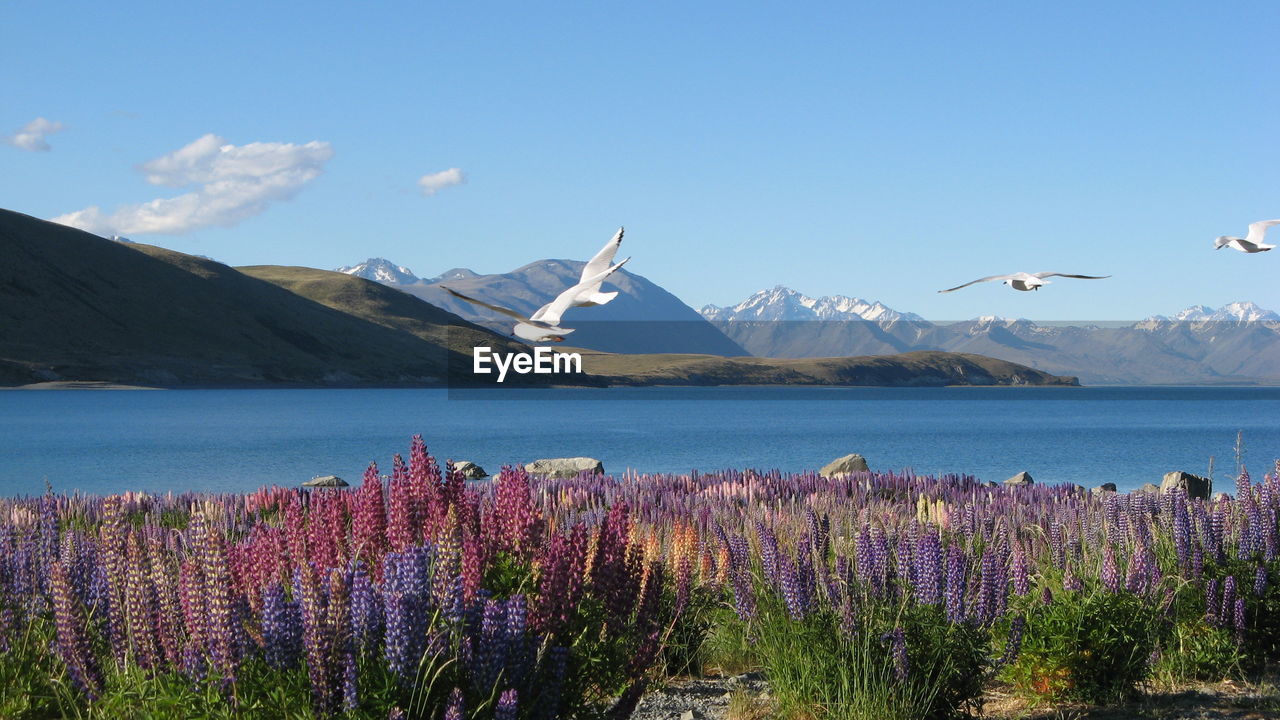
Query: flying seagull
x: 544, y: 325
x: 1250, y: 244
x: 1025, y: 281
x: 591, y: 295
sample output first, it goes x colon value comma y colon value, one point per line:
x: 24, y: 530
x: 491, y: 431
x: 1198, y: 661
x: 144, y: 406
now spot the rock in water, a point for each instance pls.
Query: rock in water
x: 1022, y: 478
x: 470, y: 470
x: 853, y: 463
x: 325, y: 481
x: 1194, y: 485
x: 1104, y: 487
x: 565, y: 467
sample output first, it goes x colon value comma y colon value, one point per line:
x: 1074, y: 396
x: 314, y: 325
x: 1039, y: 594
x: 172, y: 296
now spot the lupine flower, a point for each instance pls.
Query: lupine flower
x: 898, y: 647
x: 508, y: 706
x: 281, y: 628
x: 72, y: 645
x: 1110, y: 574
x: 454, y: 710
x: 956, y: 589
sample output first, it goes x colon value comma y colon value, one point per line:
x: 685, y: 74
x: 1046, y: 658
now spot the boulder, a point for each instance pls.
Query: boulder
x: 853, y: 463
x: 1149, y: 488
x: 1104, y: 488
x: 1221, y: 497
x: 470, y: 470
x: 1194, y: 485
x: 325, y: 481
x: 1022, y: 478
x: 990, y: 484
x: 565, y: 467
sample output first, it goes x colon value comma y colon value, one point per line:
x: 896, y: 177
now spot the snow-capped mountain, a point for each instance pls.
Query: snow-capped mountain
x: 381, y: 270
x: 1241, y: 311
x: 783, y: 303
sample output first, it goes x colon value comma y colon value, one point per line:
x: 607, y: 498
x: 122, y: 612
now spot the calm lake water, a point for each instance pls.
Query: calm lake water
x: 231, y: 440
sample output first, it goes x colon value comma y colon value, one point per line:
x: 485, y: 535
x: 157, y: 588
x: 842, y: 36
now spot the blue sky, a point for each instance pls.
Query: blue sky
x: 883, y: 151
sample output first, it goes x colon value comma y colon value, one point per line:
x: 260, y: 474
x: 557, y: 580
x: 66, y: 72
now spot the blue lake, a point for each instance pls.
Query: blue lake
x: 232, y: 440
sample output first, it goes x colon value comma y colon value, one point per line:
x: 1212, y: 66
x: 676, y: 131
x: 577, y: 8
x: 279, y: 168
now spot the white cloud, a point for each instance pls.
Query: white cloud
x: 233, y: 183
x: 31, y: 136
x: 433, y: 183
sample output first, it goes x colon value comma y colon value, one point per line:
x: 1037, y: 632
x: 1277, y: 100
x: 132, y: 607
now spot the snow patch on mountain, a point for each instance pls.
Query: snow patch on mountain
x: 381, y: 270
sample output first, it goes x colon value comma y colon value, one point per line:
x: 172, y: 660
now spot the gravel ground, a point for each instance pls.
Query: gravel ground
x: 708, y: 699
x: 698, y: 699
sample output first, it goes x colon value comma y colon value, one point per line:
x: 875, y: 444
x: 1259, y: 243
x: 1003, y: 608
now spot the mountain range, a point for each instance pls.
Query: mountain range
x: 644, y: 318
x: 75, y: 307
x: 1237, y: 343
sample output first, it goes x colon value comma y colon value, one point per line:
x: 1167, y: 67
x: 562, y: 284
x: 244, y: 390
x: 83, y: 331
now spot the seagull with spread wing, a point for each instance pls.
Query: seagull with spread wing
x: 544, y: 325
x: 1252, y: 243
x: 1025, y: 281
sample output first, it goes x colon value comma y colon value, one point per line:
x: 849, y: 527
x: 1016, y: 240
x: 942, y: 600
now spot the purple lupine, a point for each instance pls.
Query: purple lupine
x: 508, y: 706
x: 554, y: 665
x: 1013, y: 645
x: 1110, y: 573
x: 956, y: 586
x: 792, y: 591
x: 489, y: 647
x: 518, y: 645
x: 1225, y: 608
x: 898, y: 649
x: 454, y: 710
x: 281, y: 628
x: 72, y: 645
x: 407, y: 602
x: 1238, y: 619
x: 1211, y: 602
x: 928, y: 571
x: 1070, y: 581
x: 1260, y: 580
x: 1021, y: 575
x: 366, y: 608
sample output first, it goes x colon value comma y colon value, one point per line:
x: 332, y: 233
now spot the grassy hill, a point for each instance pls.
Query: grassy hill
x: 74, y: 306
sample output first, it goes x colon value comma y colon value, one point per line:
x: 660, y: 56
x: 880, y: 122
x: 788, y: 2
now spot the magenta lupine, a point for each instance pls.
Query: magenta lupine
x: 72, y: 644
x: 562, y: 569
x: 369, y: 522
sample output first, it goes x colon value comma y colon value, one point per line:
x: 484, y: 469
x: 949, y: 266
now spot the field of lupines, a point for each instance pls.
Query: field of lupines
x: 419, y: 595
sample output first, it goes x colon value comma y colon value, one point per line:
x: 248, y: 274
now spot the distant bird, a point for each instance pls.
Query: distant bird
x: 1025, y: 281
x: 1250, y: 244
x: 544, y: 325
